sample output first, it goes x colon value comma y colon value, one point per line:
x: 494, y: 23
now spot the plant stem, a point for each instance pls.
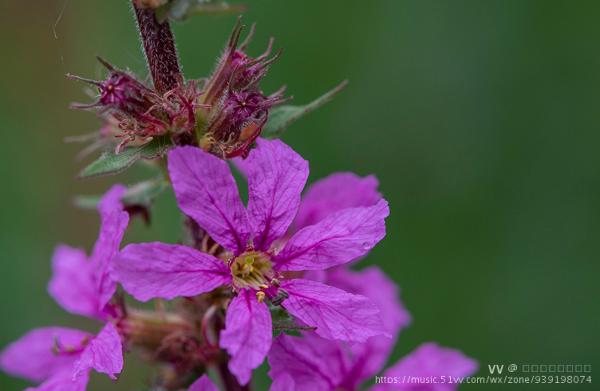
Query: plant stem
x: 163, y: 63
x: 159, y: 47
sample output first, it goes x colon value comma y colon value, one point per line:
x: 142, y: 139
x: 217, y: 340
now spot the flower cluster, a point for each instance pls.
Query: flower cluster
x: 265, y: 279
x: 280, y: 253
x: 223, y: 114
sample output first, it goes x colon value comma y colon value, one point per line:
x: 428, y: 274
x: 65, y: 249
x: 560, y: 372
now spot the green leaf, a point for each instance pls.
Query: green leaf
x: 110, y: 163
x: 283, y: 116
x: 143, y: 193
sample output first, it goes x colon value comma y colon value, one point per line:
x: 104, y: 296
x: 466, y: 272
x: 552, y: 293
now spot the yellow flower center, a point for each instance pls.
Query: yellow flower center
x: 252, y: 269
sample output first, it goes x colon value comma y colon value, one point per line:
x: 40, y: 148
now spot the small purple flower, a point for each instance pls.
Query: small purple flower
x: 83, y: 285
x: 347, y: 365
x: 62, y: 358
x: 251, y: 261
x: 311, y: 363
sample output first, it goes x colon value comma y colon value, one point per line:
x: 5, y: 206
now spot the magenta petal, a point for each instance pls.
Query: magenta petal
x: 73, y: 282
x: 113, y: 224
x: 335, y: 240
x: 335, y: 313
x: 317, y: 363
x: 247, y: 334
x: 63, y: 382
x: 284, y: 382
x: 104, y: 353
x: 276, y: 177
x: 32, y: 356
x: 151, y: 270
x: 370, y: 357
x: 374, y: 284
x: 206, y: 191
x: 334, y: 193
x: 314, y: 363
x: 432, y: 360
x: 203, y: 384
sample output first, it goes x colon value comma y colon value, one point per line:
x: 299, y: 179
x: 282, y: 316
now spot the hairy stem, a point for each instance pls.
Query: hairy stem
x: 159, y: 47
x: 163, y: 63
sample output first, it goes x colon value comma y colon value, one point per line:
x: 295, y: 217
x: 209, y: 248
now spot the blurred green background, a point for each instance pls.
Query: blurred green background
x: 480, y: 118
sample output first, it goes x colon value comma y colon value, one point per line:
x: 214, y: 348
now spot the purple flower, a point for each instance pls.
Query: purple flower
x: 346, y: 365
x: 252, y: 261
x: 374, y: 284
x: 311, y: 363
x: 61, y: 358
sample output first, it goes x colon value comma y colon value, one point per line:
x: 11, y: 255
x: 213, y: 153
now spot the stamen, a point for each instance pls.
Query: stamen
x: 252, y: 269
x: 260, y: 296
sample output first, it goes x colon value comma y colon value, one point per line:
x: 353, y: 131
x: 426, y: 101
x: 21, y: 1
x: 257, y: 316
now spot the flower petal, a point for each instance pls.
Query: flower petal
x: 370, y: 357
x: 32, y: 356
x: 203, y: 384
x: 113, y: 224
x: 320, y: 364
x: 104, y: 353
x: 374, y: 284
x: 63, y: 382
x: 335, y: 313
x: 247, y: 335
x: 206, y: 191
x: 284, y: 382
x: 314, y: 363
x: 151, y: 270
x: 336, y: 192
x: 339, y: 238
x: 276, y: 177
x: 431, y: 360
x: 73, y: 282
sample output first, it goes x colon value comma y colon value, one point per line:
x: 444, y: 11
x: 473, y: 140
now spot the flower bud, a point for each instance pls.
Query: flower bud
x: 140, y: 113
x: 237, y: 108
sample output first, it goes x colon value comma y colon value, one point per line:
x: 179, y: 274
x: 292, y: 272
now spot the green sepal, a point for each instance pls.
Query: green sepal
x: 110, y: 163
x: 282, y: 117
x: 284, y: 323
